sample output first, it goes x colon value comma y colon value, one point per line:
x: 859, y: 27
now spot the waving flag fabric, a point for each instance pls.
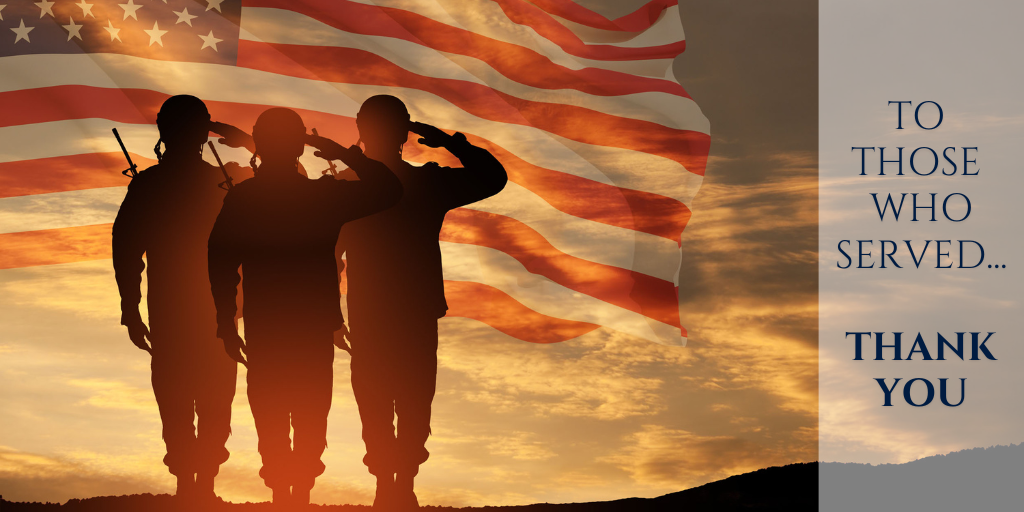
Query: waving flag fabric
x: 605, y: 150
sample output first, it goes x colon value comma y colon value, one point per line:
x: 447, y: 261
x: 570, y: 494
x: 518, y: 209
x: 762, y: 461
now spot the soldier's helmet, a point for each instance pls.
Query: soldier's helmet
x: 279, y: 134
x: 383, y: 119
x: 183, y: 120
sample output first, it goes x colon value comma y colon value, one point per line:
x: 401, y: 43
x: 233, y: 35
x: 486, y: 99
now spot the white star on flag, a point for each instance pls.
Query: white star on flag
x: 22, y: 32
x: 155, y: 34
x: 74, y: 30
x: 45, y: 8
x: 112, y: 31
x: 184, y: 17
x: 86, y: 9
x: 210, y: 41
x: 130, y: 10
x: 1, y: 12
x: 214, y: 4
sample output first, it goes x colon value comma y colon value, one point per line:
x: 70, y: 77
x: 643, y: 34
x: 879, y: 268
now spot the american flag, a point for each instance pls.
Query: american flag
x: 604, y: 148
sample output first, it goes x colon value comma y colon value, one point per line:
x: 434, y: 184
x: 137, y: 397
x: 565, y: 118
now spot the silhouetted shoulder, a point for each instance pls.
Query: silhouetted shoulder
x: 238, y: 173
x: 431, y: 166
x: 146, y: 178
x: 152, y: 170
x: 245, y: 184
x: 161, y: 170
x: 149, y: 173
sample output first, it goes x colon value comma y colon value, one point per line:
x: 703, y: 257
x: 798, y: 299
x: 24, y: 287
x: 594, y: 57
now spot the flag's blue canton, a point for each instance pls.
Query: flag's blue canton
x: 184, y: 30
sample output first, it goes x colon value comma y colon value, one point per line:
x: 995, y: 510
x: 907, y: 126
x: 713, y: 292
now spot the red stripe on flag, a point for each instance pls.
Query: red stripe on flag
x: 66, y: 173
x: 47, y: 104
x: 53, y: 246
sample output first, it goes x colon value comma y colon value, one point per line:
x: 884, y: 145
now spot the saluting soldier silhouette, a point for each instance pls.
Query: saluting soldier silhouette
x: 396, y: 291
x: 281, y: 228
x: 167, y: 215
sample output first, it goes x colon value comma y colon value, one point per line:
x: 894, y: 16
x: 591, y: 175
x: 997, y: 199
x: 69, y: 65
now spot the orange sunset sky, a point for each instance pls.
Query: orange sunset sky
x: 599, y: 417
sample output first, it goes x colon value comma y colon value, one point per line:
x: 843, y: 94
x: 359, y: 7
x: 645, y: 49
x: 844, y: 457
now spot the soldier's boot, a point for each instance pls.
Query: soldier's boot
x: 204, y: 487
x: 300, y: 497
x: 282, y: 496
x: 300, y: 491
x: 385, y: 492
x: 404, y: 497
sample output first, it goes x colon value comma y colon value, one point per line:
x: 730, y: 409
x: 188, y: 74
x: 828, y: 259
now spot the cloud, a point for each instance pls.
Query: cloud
x: 520, y: 446
x: 113, y: 394
x: 663, y: 457
x: 517, y: 445
x: 599, y: 375
x: 60, y: 210
x: 85, y: 289
x: 31, y: 477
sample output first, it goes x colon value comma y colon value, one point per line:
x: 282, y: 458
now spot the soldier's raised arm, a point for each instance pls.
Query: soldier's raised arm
x: 377, y: 189
x: 224, y: 261
x: 481, y: 175
x: 128, y: 244
x: 232, y: 136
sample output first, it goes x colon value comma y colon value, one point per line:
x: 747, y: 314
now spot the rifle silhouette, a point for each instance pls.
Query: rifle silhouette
x: 131, y: 170
x: 332, y: 168
x: 227, y: 183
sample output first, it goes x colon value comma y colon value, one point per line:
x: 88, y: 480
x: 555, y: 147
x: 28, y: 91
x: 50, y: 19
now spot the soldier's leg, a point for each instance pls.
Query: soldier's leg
x: 311, y: 403
x: 373, y: 387
x: 217, y: 377
x: 269, y: 399
x: 417, y: 362
x: 171, y: 387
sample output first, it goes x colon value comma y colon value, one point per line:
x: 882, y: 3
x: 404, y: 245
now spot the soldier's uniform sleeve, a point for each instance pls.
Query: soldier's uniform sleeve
x: 128, y: 244
x: 481, y: 175
x: 377, y: 189
x: 224, y: 260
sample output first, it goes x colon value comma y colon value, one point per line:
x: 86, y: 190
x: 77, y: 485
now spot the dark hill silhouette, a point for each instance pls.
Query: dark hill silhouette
x: 982, y: 479
x: 792, y: 488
